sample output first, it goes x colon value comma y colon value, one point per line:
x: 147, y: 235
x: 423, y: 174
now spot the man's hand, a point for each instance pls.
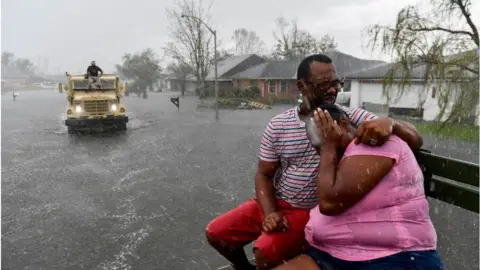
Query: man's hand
x: 275, y: 222
x: 374, y: 132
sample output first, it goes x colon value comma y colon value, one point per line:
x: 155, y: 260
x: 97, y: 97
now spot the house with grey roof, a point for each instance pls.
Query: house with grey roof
x: 279, y: 76
x: 228, y: 67
x: 418, y: 100
x: 232, y: 65
x: 271, y: 77
x: 366, y: 89
x: 174, y: 83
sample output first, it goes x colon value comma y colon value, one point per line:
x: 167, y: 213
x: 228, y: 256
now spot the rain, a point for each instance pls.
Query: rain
x: 190, y: 87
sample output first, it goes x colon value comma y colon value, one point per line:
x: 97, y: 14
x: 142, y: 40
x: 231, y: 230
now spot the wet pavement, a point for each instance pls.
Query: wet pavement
x: 141, y: 199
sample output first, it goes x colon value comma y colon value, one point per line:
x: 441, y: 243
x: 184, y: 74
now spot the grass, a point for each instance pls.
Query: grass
x: 468, y: 133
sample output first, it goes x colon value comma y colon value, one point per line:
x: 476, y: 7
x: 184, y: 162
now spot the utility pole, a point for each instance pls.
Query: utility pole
x: 215, y: 58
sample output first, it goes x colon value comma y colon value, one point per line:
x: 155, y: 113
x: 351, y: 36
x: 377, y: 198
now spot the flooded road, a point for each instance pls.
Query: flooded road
x: 142, y: 199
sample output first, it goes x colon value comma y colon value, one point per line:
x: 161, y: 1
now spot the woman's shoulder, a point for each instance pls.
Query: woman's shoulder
x: 394, y: 148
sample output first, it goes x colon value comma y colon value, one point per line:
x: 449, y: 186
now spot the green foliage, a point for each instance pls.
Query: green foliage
x: 250, y: 93
x: 468, y: 133
x: 274, y: 98
x: 438, y: 47
x: 144, y: 68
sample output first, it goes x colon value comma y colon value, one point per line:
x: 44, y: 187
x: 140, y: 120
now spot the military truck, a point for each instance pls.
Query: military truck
x: 94, y: 105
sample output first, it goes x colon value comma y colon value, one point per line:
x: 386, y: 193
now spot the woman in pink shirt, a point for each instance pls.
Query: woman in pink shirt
x: 372, y: 211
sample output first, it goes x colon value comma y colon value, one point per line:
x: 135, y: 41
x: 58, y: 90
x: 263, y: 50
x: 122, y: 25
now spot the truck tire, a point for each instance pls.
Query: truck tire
x: 71, y: 130
x: 122, y: 127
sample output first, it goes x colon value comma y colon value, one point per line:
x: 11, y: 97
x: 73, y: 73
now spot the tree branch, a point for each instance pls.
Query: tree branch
x: 466, y: 14
x: 437, y: 28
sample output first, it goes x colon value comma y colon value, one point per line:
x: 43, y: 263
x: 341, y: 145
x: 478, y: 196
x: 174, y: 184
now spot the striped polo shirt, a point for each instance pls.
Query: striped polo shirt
x: 285, y: 140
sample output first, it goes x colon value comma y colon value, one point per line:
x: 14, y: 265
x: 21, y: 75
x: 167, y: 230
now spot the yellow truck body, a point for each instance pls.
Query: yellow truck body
x: 92, y: 106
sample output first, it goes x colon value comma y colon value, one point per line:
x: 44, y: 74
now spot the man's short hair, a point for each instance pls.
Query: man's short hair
x: 303, y: 70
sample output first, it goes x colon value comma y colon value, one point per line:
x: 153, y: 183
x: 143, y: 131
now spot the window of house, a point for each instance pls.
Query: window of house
x: 434, y: 92
x: 347, y: 86
x: 253, y: 83
x: 283, y: 86
x: 272, y: 86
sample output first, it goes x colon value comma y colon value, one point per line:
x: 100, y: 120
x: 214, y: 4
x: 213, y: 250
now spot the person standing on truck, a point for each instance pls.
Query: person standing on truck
x: 92, y: 74
x: 285, y: 184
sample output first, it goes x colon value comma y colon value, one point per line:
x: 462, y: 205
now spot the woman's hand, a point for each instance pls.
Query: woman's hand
x: 328, y: 129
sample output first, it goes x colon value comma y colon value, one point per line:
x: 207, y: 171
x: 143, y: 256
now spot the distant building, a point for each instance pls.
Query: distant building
x: 279, y: 76
x: 418, y: 100
x: 270, y: 76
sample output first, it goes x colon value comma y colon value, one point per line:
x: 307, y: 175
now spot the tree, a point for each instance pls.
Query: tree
x: 192, y: 43
x: 24, y: 66
x: 221, y: 55
x: 444, y: 44
x: 7, y: 59
x: 12, y: 65
x: 247, y: 42
x: 181, y: 72
x: 144, y: 68
x: 292, y: 42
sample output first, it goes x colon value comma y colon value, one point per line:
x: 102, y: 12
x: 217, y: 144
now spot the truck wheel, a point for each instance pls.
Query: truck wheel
x: 122, y: 127
x: 71, y: 130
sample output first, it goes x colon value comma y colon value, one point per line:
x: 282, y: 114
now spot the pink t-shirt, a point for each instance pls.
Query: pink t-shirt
x: 391, y: 218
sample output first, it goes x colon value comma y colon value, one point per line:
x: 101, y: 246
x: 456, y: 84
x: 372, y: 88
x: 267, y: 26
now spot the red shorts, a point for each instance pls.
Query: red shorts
x: 242, y: 225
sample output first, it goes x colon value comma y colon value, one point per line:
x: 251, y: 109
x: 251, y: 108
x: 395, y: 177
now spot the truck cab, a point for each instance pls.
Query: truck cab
x: 94, y: 107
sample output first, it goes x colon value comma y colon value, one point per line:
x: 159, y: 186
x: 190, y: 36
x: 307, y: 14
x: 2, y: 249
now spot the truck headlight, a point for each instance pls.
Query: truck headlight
x: 78, y: 109
x: 113, y: 107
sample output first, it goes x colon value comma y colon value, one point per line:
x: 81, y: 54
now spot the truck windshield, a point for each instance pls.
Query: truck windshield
x: 83, y: 85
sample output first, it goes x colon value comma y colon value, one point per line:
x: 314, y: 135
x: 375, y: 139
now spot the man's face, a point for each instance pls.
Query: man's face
x: 93, y: 63
x: 322, y: 85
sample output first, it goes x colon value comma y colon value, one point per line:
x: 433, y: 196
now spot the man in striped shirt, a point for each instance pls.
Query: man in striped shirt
x: 285, y: 179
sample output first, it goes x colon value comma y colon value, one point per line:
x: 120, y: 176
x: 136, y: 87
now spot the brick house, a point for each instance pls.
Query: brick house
x: 230, y: 66
x: 279, y: 76
x: 271, y: 77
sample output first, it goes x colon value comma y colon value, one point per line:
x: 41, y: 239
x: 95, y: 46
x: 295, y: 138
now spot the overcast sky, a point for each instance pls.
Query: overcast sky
x: 71, y: 33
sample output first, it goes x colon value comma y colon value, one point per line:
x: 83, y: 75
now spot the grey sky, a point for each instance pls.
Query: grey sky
x: 71, y: 33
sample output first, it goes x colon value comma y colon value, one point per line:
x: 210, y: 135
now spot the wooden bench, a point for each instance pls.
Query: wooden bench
x: 450, y: 180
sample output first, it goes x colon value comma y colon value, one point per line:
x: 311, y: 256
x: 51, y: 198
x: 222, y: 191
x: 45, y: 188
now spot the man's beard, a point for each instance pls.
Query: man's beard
x: 323, y: 99
x: 329, y: 99
x: 311, y: 102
